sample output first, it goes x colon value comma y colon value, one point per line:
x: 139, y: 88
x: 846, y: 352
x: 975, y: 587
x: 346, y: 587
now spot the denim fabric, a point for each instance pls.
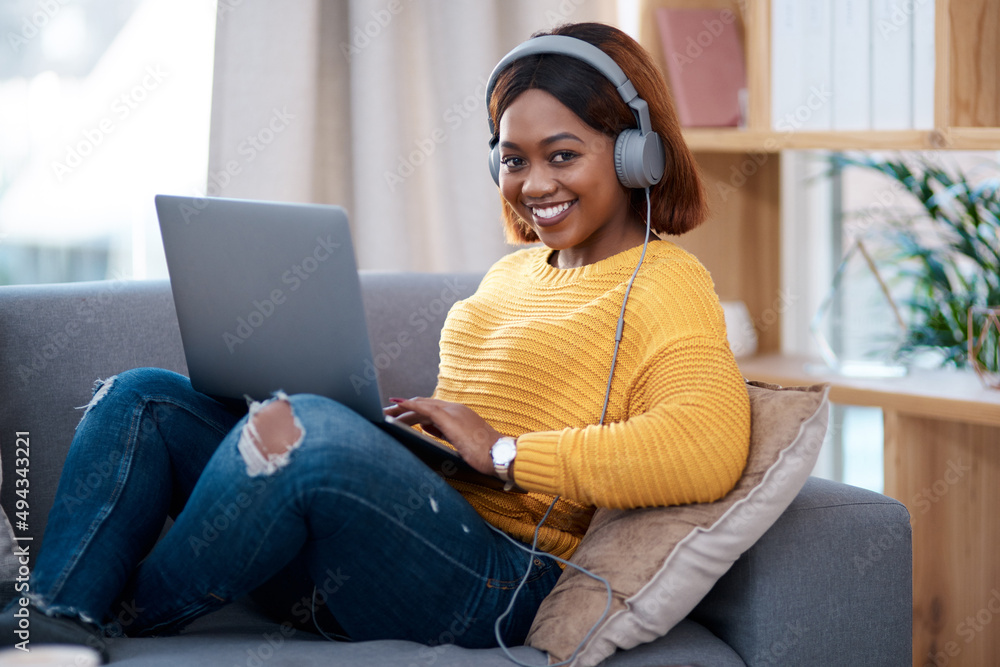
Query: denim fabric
x: 391, y: 548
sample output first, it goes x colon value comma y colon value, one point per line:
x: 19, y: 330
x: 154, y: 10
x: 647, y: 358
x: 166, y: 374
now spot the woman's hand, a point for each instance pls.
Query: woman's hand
x: 469, y: 433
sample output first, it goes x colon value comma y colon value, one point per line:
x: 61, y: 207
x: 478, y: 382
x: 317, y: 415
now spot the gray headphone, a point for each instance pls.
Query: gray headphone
x: 639, y: 156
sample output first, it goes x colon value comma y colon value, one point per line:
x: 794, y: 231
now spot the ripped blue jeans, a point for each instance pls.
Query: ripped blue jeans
x: 348, y: 514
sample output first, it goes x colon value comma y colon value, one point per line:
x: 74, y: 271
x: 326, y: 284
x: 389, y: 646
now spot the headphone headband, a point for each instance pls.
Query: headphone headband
x: 584, y: 51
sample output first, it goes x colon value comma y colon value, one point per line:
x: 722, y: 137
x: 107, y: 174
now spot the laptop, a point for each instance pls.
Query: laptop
x: 268, y: 298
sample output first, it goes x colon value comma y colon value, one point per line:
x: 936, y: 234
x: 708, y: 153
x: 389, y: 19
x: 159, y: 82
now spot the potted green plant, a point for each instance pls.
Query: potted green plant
x: 948, y: 254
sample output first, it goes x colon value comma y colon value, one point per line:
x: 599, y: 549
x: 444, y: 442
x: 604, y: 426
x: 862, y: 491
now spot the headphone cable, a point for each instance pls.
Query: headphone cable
x: 621, y: 317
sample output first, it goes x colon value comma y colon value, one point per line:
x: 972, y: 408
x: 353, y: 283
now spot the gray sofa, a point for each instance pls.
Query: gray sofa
x: 824, y: 586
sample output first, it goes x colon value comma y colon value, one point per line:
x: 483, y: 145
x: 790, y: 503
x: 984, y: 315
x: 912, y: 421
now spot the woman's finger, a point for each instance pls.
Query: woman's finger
x: 409, y: 418
x: 413, y: 418
x: 393, y: 410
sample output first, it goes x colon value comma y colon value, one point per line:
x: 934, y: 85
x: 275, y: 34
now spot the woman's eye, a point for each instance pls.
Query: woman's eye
x: 512, y: 162
x: 563, y: 156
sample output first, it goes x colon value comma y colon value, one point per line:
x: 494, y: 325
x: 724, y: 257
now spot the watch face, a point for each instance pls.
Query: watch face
x: 504, y: 451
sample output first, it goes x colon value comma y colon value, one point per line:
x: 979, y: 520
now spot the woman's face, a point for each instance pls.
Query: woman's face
x: 558, y: 174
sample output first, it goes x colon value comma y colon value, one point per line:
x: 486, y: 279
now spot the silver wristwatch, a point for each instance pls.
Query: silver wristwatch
x: 503, y: 452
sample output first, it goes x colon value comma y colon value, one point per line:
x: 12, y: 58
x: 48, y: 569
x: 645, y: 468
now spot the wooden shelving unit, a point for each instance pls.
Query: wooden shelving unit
x: 929, y: 430
x: 728, y: 140
x: 967, y: 113
x: 933, y: 393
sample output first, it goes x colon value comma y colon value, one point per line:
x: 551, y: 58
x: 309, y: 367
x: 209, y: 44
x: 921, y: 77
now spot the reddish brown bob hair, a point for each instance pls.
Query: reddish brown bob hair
x: 678, y: 200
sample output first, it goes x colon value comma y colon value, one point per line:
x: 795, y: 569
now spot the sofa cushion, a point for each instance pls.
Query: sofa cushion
x: 405, y: 317
x: 661, y: 561
x: 240, y: 634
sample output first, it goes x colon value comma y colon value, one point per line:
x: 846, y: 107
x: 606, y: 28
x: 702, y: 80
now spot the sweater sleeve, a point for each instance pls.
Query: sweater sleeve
x: 686, y: 441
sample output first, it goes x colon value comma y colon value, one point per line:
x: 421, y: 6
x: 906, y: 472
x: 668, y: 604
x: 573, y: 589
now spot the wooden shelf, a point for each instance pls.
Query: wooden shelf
x: 934, y: 420
x: 741, y: 244
x: 967, y: 85
x: 733, y: 140
x: 948, y: 395
x: 973, y: 138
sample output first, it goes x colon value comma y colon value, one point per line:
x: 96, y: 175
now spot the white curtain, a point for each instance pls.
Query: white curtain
x: 376, y: 105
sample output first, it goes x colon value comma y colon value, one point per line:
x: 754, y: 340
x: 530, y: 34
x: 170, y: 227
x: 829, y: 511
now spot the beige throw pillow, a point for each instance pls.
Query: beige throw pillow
x: 662, y: 561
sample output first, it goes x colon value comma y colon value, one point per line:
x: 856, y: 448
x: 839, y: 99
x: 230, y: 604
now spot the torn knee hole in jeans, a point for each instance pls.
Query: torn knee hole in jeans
x: 101, y: 389
x: 269, y: 435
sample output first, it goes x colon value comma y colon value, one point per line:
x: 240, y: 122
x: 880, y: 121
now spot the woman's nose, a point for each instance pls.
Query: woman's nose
x: 538, y: 183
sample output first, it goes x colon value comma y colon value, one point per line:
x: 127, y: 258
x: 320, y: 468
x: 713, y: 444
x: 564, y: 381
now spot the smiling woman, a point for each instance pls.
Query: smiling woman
x: 529, y: 354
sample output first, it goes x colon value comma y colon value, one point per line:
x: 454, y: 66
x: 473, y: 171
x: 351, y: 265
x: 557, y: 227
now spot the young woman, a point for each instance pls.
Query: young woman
x: 397, y: 551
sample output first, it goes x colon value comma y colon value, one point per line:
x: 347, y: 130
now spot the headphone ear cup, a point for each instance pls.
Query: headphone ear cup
x: 639, y: 158
x: 495, y: 163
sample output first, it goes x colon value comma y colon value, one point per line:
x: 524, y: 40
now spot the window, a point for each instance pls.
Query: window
x: 105, y: 103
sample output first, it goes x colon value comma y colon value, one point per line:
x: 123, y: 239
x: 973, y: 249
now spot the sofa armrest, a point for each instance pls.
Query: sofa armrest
x: 830, y: 583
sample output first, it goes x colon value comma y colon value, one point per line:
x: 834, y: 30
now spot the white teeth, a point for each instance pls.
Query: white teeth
x: 551, y: 211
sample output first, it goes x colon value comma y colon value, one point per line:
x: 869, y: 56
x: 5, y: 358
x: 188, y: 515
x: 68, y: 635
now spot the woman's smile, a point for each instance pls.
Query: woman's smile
x: 548, y: 215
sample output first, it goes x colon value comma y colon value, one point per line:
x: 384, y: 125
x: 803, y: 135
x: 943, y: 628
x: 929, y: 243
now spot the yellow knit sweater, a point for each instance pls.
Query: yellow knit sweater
x: 530, y: 352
